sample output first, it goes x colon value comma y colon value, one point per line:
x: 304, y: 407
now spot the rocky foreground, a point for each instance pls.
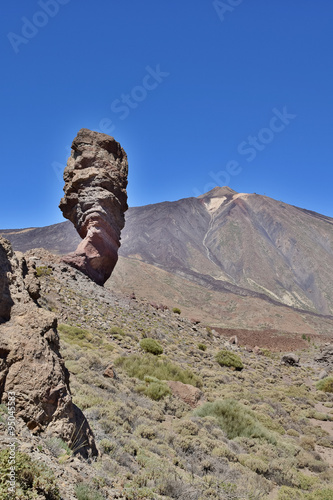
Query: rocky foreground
x: 178, y: 424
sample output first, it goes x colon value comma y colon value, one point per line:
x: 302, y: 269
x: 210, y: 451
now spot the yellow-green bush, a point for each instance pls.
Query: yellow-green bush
x: 235, y: 419
x: 75, y: 335
x: 32, y: 478
x: 230, y: 359
x: 154, y: 388
x: 139, y: 366
x: 43, y: 271
x: 84, y: 491
x: 326, y: 384
x: 151, y: 345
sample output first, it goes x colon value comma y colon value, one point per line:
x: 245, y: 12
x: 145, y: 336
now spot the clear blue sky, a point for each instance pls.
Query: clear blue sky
x: 223, y: 77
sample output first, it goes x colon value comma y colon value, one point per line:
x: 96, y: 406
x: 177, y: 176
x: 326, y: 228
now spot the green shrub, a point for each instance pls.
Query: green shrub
x: 227, y: 358
x: 151, y: 345
x: 202, y: 347
x: 57, y: 446
x: 235, y: 420
x: 75, y: 335
x: 253, y: 463
x: 33, y: 479
x: 326, y: 384
x: 116, y: 330
x: 43, y: 271
x: 155, y: 390
x: 107, y: 445
x: 286, y: 493
x: 322, y: 494
x: 176, y: 310
x: 85, y: 492
x: 139, y: 366
x: 145, y: 431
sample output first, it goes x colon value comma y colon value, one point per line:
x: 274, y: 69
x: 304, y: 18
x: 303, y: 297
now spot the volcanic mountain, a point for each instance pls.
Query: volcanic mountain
x: 239, y: 245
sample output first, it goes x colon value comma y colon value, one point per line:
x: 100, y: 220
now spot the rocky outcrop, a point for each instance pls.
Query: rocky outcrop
x: 290, y: 359
x: 186, y: 392
x: 30, y: 362
x: 95, y: 201
x: 325, y: 356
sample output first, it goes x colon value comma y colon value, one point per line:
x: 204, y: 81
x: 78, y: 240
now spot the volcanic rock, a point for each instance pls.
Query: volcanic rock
x: 290, y: 359
x: 325, y: 356
x: 95, y: 201
x: 186, y: 392
x: 30, y: 363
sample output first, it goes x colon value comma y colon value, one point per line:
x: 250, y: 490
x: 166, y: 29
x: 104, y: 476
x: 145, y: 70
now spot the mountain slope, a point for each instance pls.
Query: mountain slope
x: 245, y: 244
x: 249, y: 241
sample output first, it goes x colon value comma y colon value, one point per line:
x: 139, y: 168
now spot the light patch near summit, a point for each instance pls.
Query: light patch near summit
x: 214, y: 203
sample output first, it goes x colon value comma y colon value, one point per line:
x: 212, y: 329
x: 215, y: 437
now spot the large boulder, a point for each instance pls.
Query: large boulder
x: 30, y: 363
x: 95, y: 201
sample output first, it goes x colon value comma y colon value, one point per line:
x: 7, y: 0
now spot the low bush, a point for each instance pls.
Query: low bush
x: 326, y: 384
x: 235, y: 420
x: 43, y: 271
x: 202, y: 347
x: 75, y: 335
x: 139, y: 366
x: 151, y: 345
x: 176, y: 310
x: 116, y: 330
x: 57, y: 446
x: 85, y: 492
x: 322, y: 494
x: 230, y: 359
x: 287, y: 493
x: 154, y: 389
x: 33, y: 479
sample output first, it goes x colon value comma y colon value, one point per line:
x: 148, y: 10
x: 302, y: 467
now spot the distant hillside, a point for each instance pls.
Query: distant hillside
x: 245, y: 244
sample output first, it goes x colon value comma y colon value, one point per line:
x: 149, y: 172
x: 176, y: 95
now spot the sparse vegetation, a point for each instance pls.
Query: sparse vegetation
x: 155, y: 389
x: 57, y: 446
x: 84, y: 491
x: 230, y: 359
x: 235, y: 419
x: 116, y: 330
x: 43, y: 271
x: 140, y: 366
x: 255, y: 431
x: 326, y: 384
x: 152, y: 346
x: 176, y: 310
x: 32, y: 478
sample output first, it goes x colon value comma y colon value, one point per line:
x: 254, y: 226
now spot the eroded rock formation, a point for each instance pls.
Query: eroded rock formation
x: 30, y: 362
x: 95, y: 201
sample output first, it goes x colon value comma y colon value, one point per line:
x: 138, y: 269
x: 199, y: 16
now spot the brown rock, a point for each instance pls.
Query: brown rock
x: 290, y: 359
x: 186, y: 392
x: 95, y: 201
x: 30, y: 362
x: 110, y: 372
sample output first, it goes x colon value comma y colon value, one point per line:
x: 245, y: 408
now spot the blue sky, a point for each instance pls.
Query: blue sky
x: 198, y: 93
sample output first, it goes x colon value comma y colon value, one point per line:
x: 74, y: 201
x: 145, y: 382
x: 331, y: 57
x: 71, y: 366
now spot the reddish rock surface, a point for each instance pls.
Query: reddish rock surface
x: 95, y: 201
x: 187, y: 393
x: 30, y: 362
